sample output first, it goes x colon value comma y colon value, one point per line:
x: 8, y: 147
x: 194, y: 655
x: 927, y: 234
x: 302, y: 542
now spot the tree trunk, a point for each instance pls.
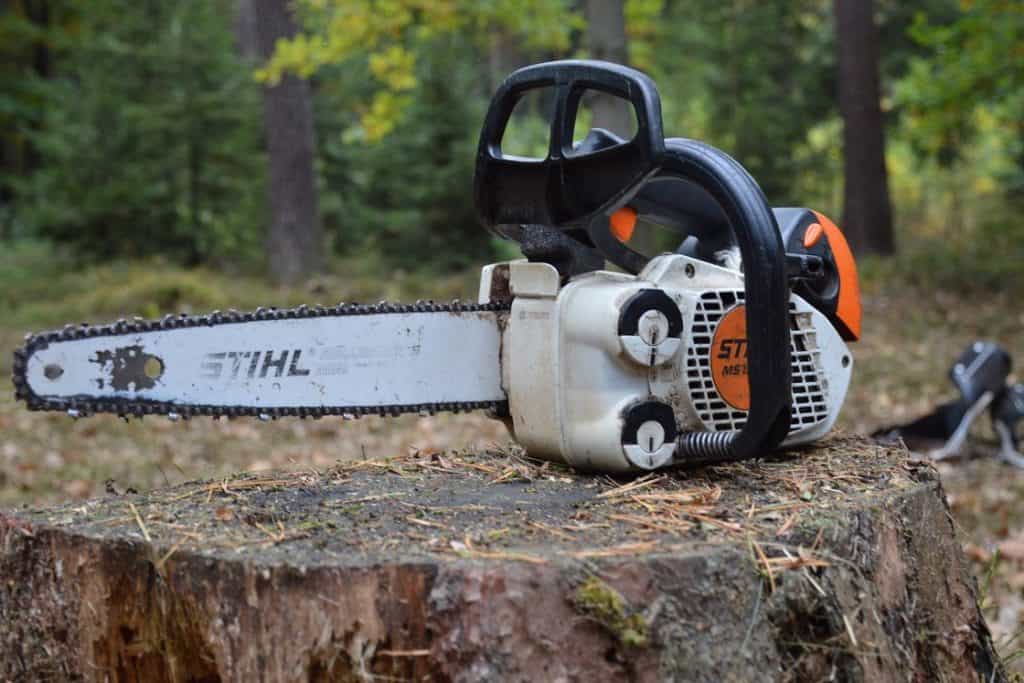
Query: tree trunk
x: 867, y: 212
x: 504, y: 56
x: 462, y: 567
x: 295, y: 236
x: 606, y: 40
x: 245, y: 31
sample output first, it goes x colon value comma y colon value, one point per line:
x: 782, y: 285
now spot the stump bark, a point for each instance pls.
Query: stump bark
x: 834, y: 563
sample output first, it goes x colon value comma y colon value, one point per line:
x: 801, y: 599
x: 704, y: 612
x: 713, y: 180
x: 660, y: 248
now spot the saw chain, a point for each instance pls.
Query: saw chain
x: 126, y: 408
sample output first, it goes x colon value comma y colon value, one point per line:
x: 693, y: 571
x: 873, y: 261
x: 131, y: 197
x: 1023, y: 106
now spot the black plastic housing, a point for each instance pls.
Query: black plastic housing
x: 564, y: 188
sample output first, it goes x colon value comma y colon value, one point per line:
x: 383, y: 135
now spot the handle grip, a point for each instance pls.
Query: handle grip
x: 565, y: 188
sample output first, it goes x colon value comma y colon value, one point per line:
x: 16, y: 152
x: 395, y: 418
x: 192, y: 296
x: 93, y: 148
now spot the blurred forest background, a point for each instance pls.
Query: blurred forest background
x: 157, y: 130
x: 160, y: 156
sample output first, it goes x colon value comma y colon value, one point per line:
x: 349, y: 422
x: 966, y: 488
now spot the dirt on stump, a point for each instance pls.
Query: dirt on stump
x: 838, y: 562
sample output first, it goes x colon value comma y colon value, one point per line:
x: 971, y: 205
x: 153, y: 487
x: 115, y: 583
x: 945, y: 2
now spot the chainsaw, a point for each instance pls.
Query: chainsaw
x: 726, y: 349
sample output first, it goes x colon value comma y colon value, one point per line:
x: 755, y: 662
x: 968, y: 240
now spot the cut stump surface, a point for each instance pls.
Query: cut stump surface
x: 833, y: 563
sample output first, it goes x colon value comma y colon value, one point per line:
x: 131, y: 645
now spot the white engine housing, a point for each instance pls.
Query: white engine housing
x: 570, y: 377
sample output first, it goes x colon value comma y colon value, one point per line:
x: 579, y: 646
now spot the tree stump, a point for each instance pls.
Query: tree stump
x: 833, y: 563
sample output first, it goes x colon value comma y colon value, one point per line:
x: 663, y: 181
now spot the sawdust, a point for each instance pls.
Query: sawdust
x: 831, y: 559
x: 499, y: 504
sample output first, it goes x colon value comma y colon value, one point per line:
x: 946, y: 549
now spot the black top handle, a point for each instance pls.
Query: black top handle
x: 564, y: 188
x: 569, y: 188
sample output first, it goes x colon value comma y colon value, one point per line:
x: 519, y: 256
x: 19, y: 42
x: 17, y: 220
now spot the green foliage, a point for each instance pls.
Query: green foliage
x: 645, y: 30
x: 386, y: 37
x: 763, y: 78
x: 148, y: 138
x: 961, y: 138
x: 17, y: 97
x: 41, y: 288
x: 131, y: 129
x: 22, y: 44
x: 976, y: 60
x: 407, y: 197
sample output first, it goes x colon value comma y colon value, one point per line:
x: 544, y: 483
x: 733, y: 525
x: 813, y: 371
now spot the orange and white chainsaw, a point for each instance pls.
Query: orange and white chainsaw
x: 724, y: 350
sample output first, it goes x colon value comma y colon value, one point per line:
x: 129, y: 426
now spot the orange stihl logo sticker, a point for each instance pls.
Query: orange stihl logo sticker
x: 729, y: 359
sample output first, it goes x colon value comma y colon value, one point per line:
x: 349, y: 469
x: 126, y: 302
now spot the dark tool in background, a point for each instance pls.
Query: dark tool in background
x: 980, y: 374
